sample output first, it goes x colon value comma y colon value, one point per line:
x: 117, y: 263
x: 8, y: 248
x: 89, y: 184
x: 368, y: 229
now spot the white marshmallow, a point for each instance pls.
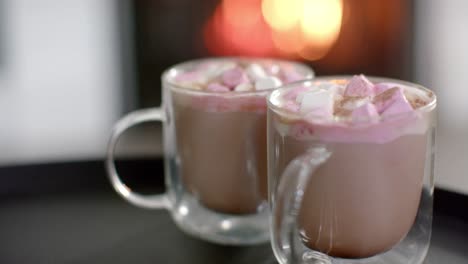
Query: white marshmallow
x: 333, y: 88
x: 243, y: 87
x: 319, y: 101
x: 256, y: 72
x: 300, y: 95
x: 273, y: 69
x: 215, y: 70
x: 267, y: 83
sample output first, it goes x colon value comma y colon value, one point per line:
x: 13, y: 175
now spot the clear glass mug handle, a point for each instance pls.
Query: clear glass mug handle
x: 140, y: 116
x: 287, y: 204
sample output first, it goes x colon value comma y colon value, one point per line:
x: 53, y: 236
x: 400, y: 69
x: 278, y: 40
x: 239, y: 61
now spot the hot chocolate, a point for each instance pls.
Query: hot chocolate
x: 364, y: 199
x: 220, y: 118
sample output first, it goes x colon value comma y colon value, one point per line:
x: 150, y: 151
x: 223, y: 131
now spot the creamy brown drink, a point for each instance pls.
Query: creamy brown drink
x: 364, y: 198
x: 220, y: 122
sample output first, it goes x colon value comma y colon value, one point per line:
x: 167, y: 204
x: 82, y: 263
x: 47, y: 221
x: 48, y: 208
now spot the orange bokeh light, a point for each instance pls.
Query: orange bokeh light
x: 282, y: 15
x: 241, y: 13
x: 289, y: 42
x: 321, y: 21
x: 291, y: 28
x: 227, y: 33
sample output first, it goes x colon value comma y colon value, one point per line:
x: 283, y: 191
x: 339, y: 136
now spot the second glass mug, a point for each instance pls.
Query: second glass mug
x: 360, y: 195
x: 214, y: 157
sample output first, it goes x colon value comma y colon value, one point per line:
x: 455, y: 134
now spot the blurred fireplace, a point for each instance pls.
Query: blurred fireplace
x: 333, y: 36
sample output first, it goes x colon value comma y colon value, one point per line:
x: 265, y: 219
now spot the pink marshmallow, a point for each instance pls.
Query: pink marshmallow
x: 272, y: 69
x: 359, y: 85
x: 191, y: 76
x: 206, y: 65
x: 234, y: 77
x: 382, y: 87
x: 399, y: 106
x: 383, y: 100
x: 291, y: 106
x: 366, y: 112
x: 291, y: 76
x: 217, y: 87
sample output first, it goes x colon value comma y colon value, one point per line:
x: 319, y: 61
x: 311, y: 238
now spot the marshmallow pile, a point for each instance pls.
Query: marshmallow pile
x: 359, y: 100
x: 238, y: 76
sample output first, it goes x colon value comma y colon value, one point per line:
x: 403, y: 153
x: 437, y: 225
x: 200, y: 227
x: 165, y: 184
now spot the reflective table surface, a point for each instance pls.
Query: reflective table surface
x: 67, y: 213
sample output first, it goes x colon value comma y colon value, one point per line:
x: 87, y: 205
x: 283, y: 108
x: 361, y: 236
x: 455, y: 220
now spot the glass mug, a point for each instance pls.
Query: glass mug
x: 360, y: 195
x: 214, y: 153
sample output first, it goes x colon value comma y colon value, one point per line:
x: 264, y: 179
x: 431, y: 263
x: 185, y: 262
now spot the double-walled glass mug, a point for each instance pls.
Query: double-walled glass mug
x: 353, y: 184
x: 214, y: 147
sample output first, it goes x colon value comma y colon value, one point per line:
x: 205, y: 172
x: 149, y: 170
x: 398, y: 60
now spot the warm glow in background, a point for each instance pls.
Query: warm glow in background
x: 289, y: 28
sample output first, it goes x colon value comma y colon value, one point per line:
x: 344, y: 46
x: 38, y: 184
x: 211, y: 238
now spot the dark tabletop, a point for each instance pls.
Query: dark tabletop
x: 67, y: 213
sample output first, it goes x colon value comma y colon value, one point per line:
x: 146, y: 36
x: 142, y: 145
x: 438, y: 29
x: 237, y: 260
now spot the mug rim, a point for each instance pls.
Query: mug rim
x: 338, y: 120
x: 171, y: 72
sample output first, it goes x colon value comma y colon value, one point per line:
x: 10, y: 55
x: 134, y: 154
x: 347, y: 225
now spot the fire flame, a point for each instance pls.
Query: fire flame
x: 290, y: 28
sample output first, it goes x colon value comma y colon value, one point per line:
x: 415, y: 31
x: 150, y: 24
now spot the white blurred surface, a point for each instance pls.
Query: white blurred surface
x: 441, y: 64
x: 59, y: 82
